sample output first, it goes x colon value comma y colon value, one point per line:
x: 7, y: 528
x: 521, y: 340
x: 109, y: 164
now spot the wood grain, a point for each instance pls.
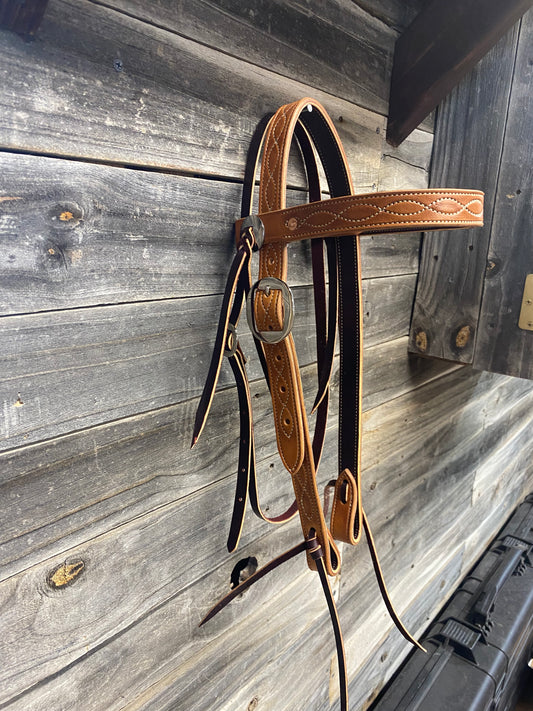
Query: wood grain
x: 501, y: 346
x: 335, y: 47
x: 75, y: 234
x: 66, y: 370
x: 98, y: 84
x: 396, y: 14
x: 428, y: 64
x: 170, y: 546
x: 142, y: 462
x: 453, y: 265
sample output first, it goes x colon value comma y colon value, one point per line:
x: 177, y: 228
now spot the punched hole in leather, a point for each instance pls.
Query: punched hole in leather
x: 338, y: 221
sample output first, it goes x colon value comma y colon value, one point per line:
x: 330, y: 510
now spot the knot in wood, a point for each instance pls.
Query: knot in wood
x: 462, y: 337
x: 421, y: 341
x: 65, y: 574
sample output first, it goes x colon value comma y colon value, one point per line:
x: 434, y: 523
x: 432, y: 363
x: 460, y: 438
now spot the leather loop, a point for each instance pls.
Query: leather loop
x: 338, y: 221
x: 347, y: 512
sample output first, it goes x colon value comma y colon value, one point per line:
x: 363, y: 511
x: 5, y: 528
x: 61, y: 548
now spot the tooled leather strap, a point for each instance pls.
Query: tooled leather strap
x: 292, y: 431
x: 237, y: 286
x: 345, y: 216
x: 375, y: 213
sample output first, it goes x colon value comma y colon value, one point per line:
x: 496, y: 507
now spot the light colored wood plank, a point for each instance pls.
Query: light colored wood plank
x: 174, y: 105
x: 76, y: 234
x: 67, y: 370
x: 382, y: 383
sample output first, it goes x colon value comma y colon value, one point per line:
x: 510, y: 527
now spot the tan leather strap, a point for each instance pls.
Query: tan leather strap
x: 339, y: 221
x: 374, y: 213
x: 292, y: 430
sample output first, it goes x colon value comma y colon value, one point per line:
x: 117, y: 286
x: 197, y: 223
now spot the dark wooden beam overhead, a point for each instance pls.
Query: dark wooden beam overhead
x: 22, y: 16
x: 440, y: 46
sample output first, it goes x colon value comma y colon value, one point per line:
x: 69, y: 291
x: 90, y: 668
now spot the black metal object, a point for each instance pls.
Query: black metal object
x: 481, y: 643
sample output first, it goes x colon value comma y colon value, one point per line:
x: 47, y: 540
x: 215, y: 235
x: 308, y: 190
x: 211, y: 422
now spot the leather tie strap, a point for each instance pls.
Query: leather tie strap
x: 334, y: 225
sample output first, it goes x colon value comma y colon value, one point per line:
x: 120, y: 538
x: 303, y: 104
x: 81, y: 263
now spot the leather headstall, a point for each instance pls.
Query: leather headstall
x: 334, y: 225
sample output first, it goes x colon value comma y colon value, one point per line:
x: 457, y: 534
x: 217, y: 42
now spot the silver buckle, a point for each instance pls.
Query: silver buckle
x: 266, y: 285
x: 231, y: 341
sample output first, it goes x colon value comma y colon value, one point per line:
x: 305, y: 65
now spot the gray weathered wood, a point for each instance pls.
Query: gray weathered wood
x: 335, y: 47
x: 65, y: 370
x: 501, y: 345
x: 175, y: 104
x: 396, y: 14
x: 173, y: 541
x: 23, y: 18
x: 76, y: 234
x: 440, y: 47
x: 468, y: 142
x: 156, y: 465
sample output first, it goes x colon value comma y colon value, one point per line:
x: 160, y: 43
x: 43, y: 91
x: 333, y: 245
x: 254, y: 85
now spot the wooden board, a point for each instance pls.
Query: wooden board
x: 335, y: 47
x: 453, y: 264
x: 396, y: 14
x: 153, y: 452
x: 75, y: 234
x: 174, y: 104
x: 66, y: 370
x: 439, y: 48
x: 501, y: 345
x: 23, y: 18
x: 181, y: 547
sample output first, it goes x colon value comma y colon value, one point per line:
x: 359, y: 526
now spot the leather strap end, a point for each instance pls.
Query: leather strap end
x: 346, y: 514
x: 245, y: 584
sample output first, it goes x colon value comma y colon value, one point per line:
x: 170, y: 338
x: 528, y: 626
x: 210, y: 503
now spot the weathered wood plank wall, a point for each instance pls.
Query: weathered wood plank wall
x: 470, y: 290
x: 123, y: 135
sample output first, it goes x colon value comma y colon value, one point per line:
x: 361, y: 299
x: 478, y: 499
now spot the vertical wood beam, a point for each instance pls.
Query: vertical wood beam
x: 502, y: 346
x: 467, y: 151
x: 22, y: 16
x: 442, y: 44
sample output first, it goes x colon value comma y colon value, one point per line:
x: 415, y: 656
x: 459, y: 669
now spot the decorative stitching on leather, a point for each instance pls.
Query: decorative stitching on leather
x: 273, y: 178
x: 358, y: 348
x: 284, y: 404
x: 310, y: 510
x: 341, y: 330
x: 337, y: 216
x: 375, y: 225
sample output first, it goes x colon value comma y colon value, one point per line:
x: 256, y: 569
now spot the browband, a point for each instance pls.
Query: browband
x: 334, y: 225
x: 374, y: 213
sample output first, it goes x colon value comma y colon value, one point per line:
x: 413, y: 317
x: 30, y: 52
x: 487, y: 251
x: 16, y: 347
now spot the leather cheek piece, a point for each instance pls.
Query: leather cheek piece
x: 346, y: 512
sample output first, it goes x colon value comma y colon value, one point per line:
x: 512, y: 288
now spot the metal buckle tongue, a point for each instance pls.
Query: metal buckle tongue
x: 266, y: 285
